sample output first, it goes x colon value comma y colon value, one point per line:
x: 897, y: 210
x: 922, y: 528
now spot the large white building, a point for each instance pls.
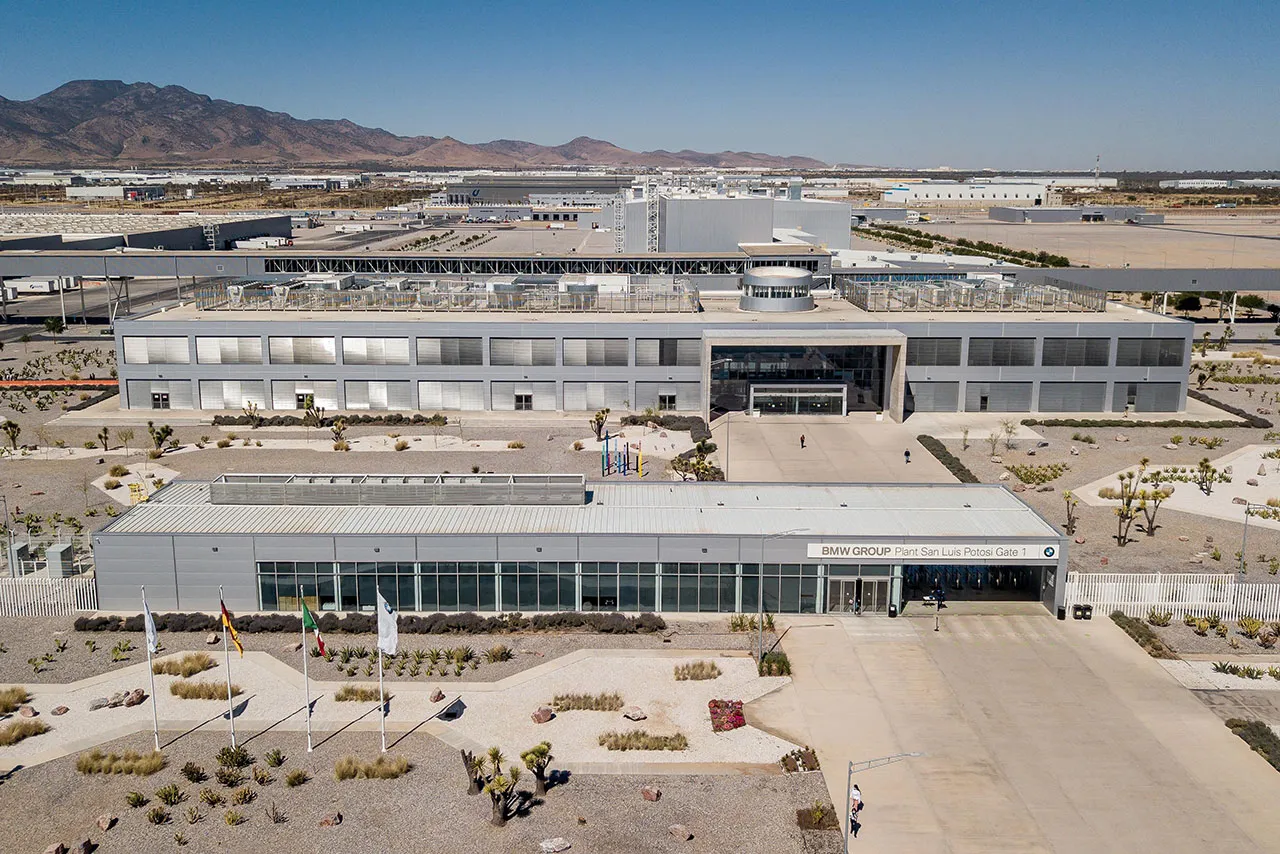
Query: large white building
x: 962, y: 194
x: 715, y: 223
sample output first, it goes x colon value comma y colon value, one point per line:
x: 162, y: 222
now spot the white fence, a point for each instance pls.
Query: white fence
x: 1195, y: 593
x: 47, y: 597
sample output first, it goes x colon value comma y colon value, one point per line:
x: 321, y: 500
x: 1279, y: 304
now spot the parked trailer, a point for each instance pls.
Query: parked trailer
x: 43, y: 284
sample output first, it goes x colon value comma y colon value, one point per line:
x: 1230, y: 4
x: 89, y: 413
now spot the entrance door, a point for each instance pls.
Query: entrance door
x: 159, y: 400
x: 844, y: 594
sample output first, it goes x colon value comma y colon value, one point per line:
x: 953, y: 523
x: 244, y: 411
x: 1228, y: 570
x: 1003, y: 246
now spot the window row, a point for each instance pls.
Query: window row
x: 320, y: 350
x: 1056, y: 352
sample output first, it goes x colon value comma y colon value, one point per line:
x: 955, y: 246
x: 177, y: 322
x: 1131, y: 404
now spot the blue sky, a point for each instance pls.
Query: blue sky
x: 1147, y: 85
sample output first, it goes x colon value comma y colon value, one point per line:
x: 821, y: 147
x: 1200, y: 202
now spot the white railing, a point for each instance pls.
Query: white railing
x: 1195, y: 593
x: 47, y: 597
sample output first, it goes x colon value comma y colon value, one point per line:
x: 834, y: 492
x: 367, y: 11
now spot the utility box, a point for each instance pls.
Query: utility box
x: 59, y: 560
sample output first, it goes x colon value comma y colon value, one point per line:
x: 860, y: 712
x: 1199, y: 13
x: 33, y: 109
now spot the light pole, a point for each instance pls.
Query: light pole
x: 1249, y: 510
x: 760, y: 587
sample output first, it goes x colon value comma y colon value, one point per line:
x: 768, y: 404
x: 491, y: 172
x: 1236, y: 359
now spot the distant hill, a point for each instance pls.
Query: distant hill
x: 92, y: 122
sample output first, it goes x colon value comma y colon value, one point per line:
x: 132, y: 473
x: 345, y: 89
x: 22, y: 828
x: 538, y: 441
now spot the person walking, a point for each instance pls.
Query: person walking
x: 906, y: 455
x: 802, y: 441
x: 855, y: 807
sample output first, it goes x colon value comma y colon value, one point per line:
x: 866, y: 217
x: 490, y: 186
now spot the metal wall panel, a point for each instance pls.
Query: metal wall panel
x: 135, y: 560
x: 522, y: 351
x: 1001, y: 397
x: 698, y: 549
x: 688, y: 395
x: 450, y: 396
x: 375, y: 351
x: 595, y: 352
x: 933, y: 351
x: 1150, y: 352
x: 668, y: 352
x: 232, y: 394
x: 1076, y: 352
x: 155, y: 350
x: 214, y: 350
x: 504, y: 395
x: 179, y: 391
x: 584, y: 397
x: 1146, y: 397
x: 378, y: 395
x: 358, y: 548
x: 1001, y: 352
x: 934, y: 396
x: 537, y: 548
x: 1073, y: 397
x: 450, y: 351
x: 205, y: 562
x: 300, y: 350
x: 323, y: 392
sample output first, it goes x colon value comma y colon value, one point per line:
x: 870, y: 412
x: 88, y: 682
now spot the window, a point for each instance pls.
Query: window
x: 1150, y: 352
x: 1001, y: 352
x: 229, y: 351
x: 522, y: 351
x: 524, y: 402
x: 668, y: 352
x: 302, y: 351
x: 666, y: 401
x: 933, y: 351
x: 375, y: 351
x: 155, y: 351
x: 1076, y: 352
x: 450, y: 351
x: 595, y: 352
x: 507, y: 396
x: 159, y: 400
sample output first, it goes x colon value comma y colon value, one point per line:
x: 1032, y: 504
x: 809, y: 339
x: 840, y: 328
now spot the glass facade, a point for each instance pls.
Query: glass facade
x: 734, y: 370
x: 974, y: 582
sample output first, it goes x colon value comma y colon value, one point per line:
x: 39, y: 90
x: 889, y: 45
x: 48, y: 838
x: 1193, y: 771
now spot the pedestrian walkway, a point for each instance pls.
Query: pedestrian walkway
x: 1037, y: 735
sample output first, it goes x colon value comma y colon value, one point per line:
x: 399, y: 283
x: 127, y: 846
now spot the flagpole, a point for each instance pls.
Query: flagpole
x: 155, y: 715
x: 226, y: 652
x: 306, y: 681
x: 382, y: 703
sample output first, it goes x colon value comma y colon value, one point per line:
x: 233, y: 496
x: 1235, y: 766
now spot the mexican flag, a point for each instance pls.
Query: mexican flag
x: 309, y: 622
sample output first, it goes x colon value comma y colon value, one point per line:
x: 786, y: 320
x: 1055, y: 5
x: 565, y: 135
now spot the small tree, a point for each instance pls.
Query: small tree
x: 536, y: 759
x: 1187, y: 304
x: 964, y: 439
x: 992, y: 440
x: 159, y: 435
x: 1149, y: 501
x: 1205, y: 476
x: 1251, y: 303
x: 1010, y: 429
x: 435, y: 424
x: 1204, y: 343
x: 104, y: 438
x: 250, y: 410
x: 1071, y: 502
x: 598, y: 422
x: 12, y: 430
x: 338, y: 429
x: 125, y: 435
x: 1126, y: 512
x: 499, y: 787
x: 54, y: 325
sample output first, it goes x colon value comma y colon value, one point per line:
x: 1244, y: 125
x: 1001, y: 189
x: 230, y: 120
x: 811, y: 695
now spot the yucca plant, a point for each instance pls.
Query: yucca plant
x: 136, y: 800
x: 274, y: 758
x: 243, y: 795
x: 235, y: 757
x: 1159, y: 618
x: 1249, y: 627
x: 262, y: 776
x: 210, y: 797
x: 233, y: 818
x: 194, y: 816
x: 194, y: 773
x: 170, y: 795
x: 158, y: 815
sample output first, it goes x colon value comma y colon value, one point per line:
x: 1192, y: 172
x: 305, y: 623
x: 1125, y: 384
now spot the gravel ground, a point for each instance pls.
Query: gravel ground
x: 31, y: 637
x: 1183, y: 639
x: 672, y: 707
x: 427, y: 810
x: 1199, y: 676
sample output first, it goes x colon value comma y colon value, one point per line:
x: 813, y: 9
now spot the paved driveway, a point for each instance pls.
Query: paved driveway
x: 855, y: 449
x: 1039, y: 736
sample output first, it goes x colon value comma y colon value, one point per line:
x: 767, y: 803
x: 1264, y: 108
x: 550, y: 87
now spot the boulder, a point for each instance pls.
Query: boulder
x: 296, y: 646
x: 551, y: 846
x: 1209, y: 538
x: 58, y: 711
x: 1079, y: 541
x: 1196, y: 560
x: 1239, y: 500
x: 117, y: 699
x: 1262, y: 470
x: 56, y: 848
x: 1045, y: 487
x: 437, y: 695
x: 1074, y: 451
x: 26, y: 711
x: 1031, y: 452
x: 333, y: 819
x: 998, y: 460
x: 135, y: 698
x: 634, y: 713
x: 1019, y: 487
x: 1184, y: 539
x: 543, y: 715
x: 1253, y: 481
x: 1227, y: 470
x: 1120, y: 437
x: 84, y: 846
x: 1004, y: 475
x: 1042, y: 444
x: 99, y: 703
x: 211, y: 638
x: 679, y: 831
x: 1169, y: 446
x: 106, y: 821
x: 1095, y: 447
x: 651, y: 793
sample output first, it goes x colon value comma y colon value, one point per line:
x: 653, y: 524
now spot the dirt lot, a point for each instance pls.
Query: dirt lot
x: 426, y: 810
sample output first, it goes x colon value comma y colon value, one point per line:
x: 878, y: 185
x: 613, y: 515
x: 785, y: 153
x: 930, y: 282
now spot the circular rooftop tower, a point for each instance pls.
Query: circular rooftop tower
x: 779, y: 289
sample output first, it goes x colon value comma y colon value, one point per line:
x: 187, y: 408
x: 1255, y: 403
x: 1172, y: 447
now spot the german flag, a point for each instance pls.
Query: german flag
x: 230, y: 629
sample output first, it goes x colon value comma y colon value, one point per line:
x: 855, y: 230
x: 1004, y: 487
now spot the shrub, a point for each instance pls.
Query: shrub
x: 233, y: 818
x: 16, y: 731
x: 234, y: 757
x: 1037, y: 475
x: 638, y: 739
x: 11, y: 698
x: 274, y: 815
x: 726, y: 715
x: 820, y: 816
x: 243, y: 795
x: 609, y: 702
x: 189, y: 664
x: 194, y: 816
x: 357, y: 694
x: 1258, y: 736
x: 500, y: 652
x: 129, y: 762
x: 262, y: 776
x: 1159, y: 618
x: 110, y: 484
x: 274, y: 758
x: 296, y: 777
x: 948, y: 459
x: 229, y: 777
x: 1143, y: 635
x: 402, y: 445
x: 158, y: 815
x: 382, y: 768
x: 118, y: 470
x: 136, y: 800
x: 696, y: 671
x: 515, y: 445
x: 1250, y: 627
x: 342, y: 445
x: 578, y: 446
x: 224, y: 443
x: 194, y: 773
x: 170, y: 795
x: 202, y: 690
x: 210, y: 797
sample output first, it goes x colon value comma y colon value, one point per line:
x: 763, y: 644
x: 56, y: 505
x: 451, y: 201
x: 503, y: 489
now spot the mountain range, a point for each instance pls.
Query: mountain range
x: 99, y: 122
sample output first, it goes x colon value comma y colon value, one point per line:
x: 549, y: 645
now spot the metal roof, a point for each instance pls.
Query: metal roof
x: 871, y: 511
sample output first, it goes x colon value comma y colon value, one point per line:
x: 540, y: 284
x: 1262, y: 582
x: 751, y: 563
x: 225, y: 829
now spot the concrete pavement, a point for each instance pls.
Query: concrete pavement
x: 1039, y: 736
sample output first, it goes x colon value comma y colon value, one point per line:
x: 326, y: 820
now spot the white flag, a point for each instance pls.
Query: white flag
x: 388, y: 634
x: 153, y: 642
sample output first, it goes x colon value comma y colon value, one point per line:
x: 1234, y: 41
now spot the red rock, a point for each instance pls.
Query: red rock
x: 679, y: 831
x: 651, y: 793
x: 1104, y: 561
x: 437, y: 695
x: 135, y: 698
x: 26, y: 711
x: 56, y: 848
x: 59, y: 710
x: 543, y: 715
x: 333, y: 819
x: 106, y: 821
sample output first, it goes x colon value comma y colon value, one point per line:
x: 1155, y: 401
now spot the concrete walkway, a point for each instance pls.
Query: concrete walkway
x: 854, y: 449
x: 1037, y: 736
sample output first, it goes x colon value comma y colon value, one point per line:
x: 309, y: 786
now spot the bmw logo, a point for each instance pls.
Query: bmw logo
x: 1050, y: 551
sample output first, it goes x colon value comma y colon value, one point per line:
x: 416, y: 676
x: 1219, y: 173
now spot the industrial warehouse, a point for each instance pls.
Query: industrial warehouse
x: 774, y: 339
x: 559, y: 543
